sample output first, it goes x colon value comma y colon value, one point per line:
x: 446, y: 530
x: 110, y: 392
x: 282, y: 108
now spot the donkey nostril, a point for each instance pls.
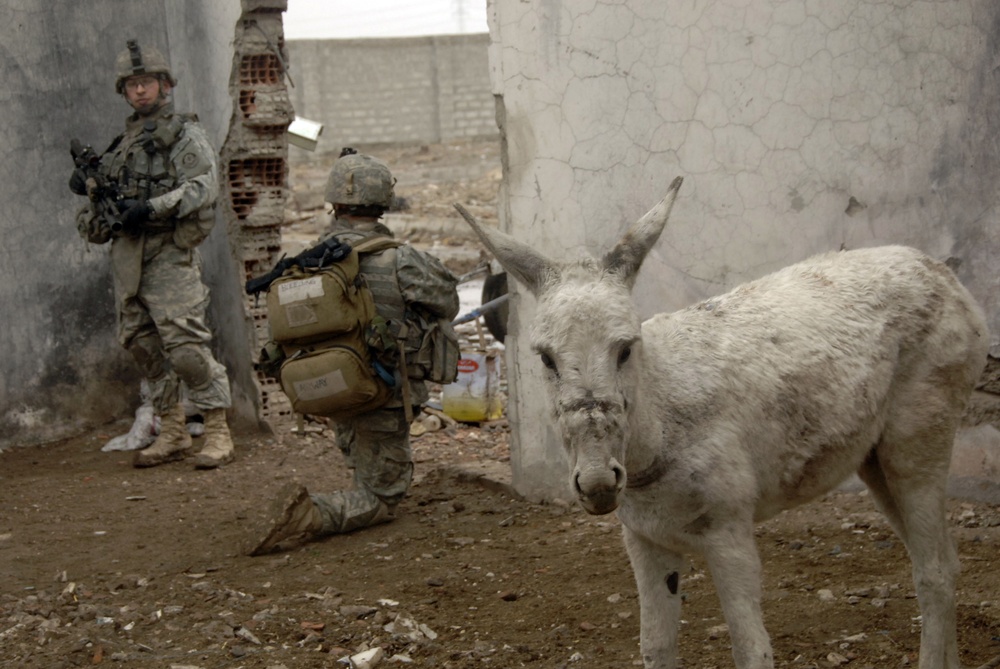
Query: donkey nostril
x: 619, y: 475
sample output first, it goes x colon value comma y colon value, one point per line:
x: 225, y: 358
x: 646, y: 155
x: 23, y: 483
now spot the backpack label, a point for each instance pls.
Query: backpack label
x: 324, y: 386
x: 299, y: 290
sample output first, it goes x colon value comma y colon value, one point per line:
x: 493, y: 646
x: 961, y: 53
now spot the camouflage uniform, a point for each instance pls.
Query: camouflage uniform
x: 404, y: 283
x: 407, y: 286
x: 160, y: 297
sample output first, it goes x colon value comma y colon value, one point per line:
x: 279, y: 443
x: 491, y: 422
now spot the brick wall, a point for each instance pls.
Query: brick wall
x: 425, y: 89
x: 255, y: 166
x: 412, y: 89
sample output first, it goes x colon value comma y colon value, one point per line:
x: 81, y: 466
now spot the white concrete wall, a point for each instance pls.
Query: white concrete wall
x: 799, y: 126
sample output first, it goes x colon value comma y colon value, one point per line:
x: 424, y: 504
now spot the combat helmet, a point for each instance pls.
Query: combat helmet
x: 134, y: 61
x: 361, y: 180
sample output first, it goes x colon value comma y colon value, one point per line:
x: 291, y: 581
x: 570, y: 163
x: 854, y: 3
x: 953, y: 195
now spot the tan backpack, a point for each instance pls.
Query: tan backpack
x: 323, y: 320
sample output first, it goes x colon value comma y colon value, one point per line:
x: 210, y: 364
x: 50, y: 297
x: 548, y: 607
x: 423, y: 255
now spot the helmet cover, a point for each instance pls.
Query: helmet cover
x: 357, y: 179
x: 134, y: 61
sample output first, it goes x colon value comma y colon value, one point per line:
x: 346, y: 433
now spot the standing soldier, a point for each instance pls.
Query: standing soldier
x: 409, y: 288
x: 164, y: 172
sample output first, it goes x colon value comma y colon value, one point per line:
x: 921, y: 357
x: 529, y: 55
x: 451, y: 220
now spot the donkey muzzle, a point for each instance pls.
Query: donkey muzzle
x: 597, y: 488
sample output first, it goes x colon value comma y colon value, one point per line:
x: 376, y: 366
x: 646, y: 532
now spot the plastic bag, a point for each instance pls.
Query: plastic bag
x: 144, y: 430
x: 146, y: 426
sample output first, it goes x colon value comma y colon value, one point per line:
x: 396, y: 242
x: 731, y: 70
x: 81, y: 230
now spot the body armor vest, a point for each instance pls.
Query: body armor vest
x: 139, y: 160
x: 379, y: 271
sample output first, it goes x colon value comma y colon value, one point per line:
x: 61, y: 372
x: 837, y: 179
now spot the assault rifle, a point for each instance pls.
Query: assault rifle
x: 322, y: 255
x: 101, y: 190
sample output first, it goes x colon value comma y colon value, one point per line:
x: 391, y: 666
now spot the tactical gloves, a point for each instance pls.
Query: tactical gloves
x: 134, y: 213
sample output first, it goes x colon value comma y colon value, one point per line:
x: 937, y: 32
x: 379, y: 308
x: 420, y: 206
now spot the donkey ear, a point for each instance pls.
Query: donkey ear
x: 527, y: 265
x: 627, y: 256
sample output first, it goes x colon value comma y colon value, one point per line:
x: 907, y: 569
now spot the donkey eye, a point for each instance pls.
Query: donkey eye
x: 625, y: 354
x: 548, y: 361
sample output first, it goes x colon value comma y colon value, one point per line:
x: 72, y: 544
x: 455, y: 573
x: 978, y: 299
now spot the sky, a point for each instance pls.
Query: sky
x: 342, y: 19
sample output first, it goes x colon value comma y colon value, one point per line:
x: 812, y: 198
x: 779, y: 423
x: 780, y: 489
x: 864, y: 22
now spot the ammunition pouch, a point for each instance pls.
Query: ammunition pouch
x: 333, y: 379
x: 92, y: 227
x: 437, y: 358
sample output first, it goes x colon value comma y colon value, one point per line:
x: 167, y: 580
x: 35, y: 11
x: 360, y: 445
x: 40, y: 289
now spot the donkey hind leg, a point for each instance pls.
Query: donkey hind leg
x: 657, y: 573
x: 731, y: 552
x: 909, y: 488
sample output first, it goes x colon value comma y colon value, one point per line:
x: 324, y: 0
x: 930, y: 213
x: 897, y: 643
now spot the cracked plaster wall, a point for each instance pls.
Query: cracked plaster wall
x: 61, y: 369
x: 799, y: 126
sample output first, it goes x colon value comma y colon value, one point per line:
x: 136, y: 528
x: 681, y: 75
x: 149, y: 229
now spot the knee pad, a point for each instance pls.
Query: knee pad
x: 147, y: 351
x: 192, y: 364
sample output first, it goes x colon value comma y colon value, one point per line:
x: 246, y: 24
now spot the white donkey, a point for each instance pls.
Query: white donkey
x: 696, y: 424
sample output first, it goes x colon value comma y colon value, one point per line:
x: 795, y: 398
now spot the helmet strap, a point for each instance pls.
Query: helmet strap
x: 359, y: 210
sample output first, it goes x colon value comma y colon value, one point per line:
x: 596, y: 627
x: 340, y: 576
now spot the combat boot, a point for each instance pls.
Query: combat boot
x: 360, y: 509
x: 292, y: 516
x: 218, y: 448
x: 171, y: 443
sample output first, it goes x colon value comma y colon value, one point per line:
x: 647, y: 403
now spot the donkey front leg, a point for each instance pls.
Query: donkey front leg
x: 731, y: 553
x: 657, y: 573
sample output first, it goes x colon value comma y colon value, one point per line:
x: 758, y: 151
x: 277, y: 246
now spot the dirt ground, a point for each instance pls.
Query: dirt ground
x: 104, y: 564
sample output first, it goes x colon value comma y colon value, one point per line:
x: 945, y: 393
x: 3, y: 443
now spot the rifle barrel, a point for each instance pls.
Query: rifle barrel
x: 476, y: 313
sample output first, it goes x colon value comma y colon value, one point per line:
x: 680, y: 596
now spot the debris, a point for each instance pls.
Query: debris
x: 446, y: 420
x: 367, y: 659
x: 357, y: 611
x: 411, y: 629
x: 718, y: 631
x: 247, y: 635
